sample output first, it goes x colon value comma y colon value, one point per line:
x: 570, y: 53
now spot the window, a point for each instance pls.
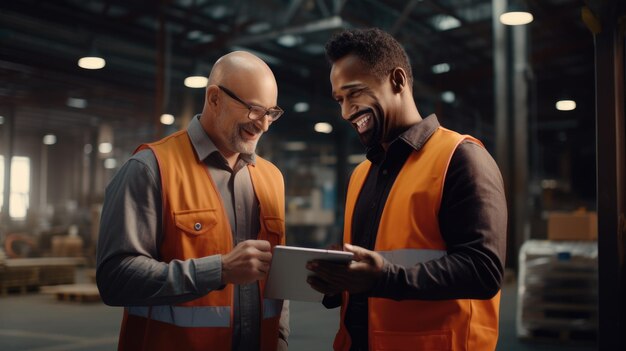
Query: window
x: 20, y: 186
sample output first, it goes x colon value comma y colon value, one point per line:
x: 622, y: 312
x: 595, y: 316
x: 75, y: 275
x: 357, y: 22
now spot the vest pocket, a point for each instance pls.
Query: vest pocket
x: 438, y: 340
x: 275, y: 229
x: 196, y: 222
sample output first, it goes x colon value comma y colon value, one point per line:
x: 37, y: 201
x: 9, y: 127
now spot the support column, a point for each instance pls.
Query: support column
x: 611, y: 172
x: 519, y: 167
x: 7, y: 149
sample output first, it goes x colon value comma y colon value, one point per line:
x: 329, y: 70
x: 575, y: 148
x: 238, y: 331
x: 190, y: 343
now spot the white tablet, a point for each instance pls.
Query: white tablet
x: 287, y: 277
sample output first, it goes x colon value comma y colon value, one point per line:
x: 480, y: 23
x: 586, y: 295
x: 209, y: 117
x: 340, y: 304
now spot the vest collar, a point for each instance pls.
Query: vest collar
x: 202, y: 144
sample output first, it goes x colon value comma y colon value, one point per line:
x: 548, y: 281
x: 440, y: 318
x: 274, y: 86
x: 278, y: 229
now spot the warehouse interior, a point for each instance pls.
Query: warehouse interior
x: 66, y: 131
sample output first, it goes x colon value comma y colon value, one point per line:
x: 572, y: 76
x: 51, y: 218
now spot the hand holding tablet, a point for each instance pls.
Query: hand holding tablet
x: 287, y: 278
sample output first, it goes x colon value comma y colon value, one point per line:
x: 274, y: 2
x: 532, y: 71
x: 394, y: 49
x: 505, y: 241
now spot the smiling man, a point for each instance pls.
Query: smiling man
x: 425, y: 215
x: 189, y: 221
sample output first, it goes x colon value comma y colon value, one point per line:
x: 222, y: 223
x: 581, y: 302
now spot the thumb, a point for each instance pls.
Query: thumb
x: 360, y: 253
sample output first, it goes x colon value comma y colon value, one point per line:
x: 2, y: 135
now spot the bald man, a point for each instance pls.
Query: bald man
x: 188, y: 224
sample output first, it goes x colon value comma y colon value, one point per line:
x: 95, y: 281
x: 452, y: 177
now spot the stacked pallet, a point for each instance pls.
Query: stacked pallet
x: 74, y: 292
x: 558, y: 291
x: 24, y: 274
x: 20, y: 279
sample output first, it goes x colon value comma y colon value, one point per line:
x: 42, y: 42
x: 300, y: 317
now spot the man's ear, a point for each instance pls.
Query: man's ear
x: 398, y: 80
x: 212, y: 96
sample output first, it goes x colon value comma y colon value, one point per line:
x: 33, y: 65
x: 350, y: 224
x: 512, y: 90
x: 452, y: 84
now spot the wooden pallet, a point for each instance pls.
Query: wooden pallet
x: 17, y: 289
x: 74, y: 292
x: 18, y: 279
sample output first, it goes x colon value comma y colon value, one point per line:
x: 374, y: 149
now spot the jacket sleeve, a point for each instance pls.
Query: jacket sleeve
x: 473, y: 224
x: 129, y: 270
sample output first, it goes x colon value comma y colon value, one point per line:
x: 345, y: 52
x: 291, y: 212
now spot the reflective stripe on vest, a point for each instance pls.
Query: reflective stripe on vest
x: 411, y: 257
x: 181, y: 316
x: 203, y: 316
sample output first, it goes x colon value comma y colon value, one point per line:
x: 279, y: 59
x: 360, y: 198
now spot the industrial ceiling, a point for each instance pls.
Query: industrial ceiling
x: 151, y: 46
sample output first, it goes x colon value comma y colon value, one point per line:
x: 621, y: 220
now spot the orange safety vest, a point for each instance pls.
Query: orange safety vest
x: 195, y: 225
x: 409, y: 234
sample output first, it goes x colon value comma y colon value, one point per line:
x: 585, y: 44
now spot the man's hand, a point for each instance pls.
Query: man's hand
x: 356, y: 277
x: 248, y: 262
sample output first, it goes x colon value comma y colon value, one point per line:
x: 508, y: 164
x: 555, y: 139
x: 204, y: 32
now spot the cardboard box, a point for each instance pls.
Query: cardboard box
x: 576, y: 225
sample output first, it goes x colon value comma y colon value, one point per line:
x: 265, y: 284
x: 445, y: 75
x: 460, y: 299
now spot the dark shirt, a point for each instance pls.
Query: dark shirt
x: 472, y: 221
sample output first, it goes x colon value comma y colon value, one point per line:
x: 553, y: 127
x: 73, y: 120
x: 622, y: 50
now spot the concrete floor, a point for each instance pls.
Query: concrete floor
x: 38, y: 322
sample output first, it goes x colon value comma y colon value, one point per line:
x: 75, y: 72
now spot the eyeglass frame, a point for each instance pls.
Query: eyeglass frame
x: 268, y: 111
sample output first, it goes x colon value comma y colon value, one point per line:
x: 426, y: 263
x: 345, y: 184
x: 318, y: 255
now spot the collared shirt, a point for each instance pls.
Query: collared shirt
x: 472, y: 220
x: 130, y: 237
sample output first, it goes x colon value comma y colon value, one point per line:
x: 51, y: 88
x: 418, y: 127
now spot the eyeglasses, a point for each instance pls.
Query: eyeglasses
x: 255, y: 112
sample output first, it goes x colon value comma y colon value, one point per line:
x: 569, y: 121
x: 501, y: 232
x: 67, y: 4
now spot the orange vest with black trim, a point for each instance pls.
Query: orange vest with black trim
x: 409, y: 234
x: 195, y: 225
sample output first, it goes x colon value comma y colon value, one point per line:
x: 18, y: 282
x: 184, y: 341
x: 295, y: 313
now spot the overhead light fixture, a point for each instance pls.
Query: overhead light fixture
x: 91, y: 62
x: 196, y: 82
x: 49, y: 139
x: 323, y: 127
x: 1, y: 119
x: 76, y: 102
x: 198, y: 79
x: 301, y: 106
x: 448, y: 96
x: 444, y: 22
x: 517, y: 14
x: 105, y: 148
x: 288, y: 40
x: 516, y: 18
x: 110, y: 163
x: 440, y: 68
x: 566, y: 105
x: 167, y: 119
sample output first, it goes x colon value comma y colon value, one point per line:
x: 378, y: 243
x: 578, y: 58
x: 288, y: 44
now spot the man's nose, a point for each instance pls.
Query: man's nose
x: 264, y: 122
x: 347, y: 110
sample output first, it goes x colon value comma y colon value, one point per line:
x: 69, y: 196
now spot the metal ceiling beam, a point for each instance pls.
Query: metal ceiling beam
x: 293, y: 8
x: 311, y: 27
x: 406, y: 12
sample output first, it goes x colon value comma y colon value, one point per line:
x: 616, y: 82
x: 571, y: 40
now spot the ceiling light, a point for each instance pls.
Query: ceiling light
x: 1, y: 119
x: 288, y: 40
x: 301, y: 106
x: 76, y: 102
x: 110, y: 163
x: 445, y: 22
x: 49, y: 139
x: 218, y: 12
x: 440, y: 68
x: 448, y: 96
x: 91, y: 62
x: 167, y: 119
x: 105, y: 148
x: 323, y: 127
x: 194, y: 34
x: 565, y: 105
x: 196, y: 82
x: 516, y: 18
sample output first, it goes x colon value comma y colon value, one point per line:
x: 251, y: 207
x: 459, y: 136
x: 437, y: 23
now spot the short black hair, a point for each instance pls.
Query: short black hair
x: 376, y: 48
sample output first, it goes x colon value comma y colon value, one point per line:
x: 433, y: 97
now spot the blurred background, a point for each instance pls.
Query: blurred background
x: 85, y: 82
